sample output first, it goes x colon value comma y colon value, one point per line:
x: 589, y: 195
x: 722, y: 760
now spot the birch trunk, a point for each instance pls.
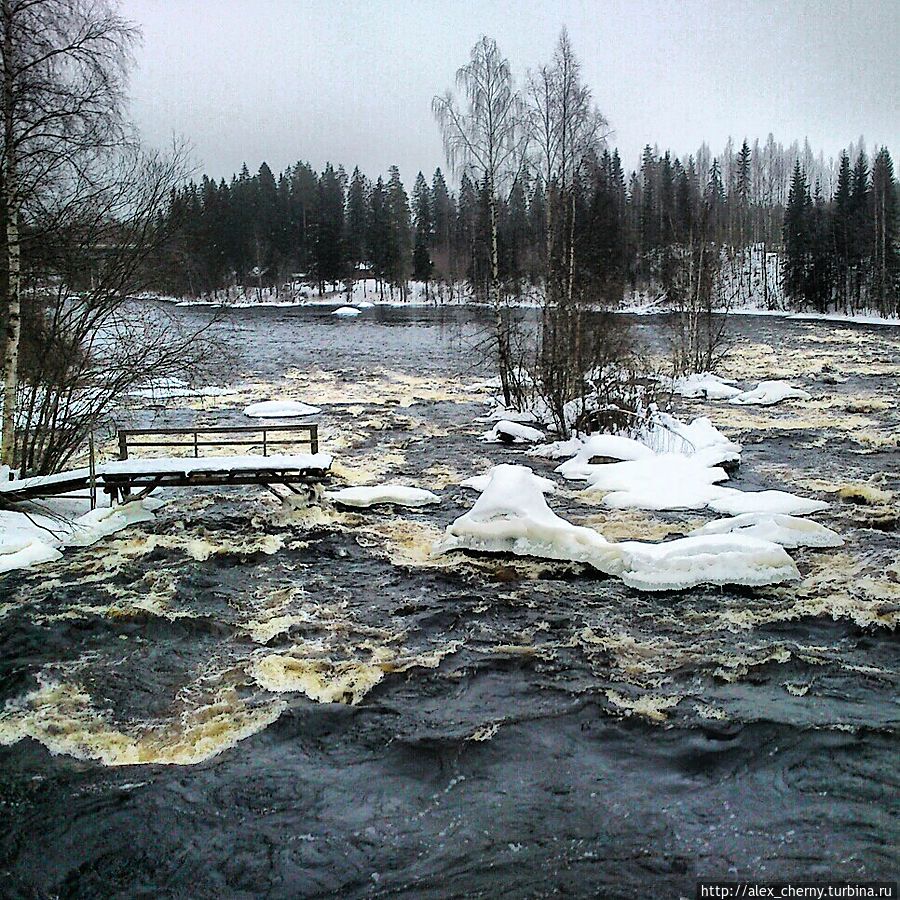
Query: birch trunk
x: 13, y: 251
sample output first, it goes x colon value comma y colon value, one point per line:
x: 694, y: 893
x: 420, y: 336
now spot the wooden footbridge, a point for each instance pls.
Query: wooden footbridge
x: 134, y: 477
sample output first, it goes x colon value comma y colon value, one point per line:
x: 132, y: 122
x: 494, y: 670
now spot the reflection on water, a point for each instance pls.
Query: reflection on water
x: 326, y: 708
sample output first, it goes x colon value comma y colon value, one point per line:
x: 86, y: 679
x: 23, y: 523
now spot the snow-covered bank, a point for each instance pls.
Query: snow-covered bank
x: 43, y: 532
x: 366, y: 294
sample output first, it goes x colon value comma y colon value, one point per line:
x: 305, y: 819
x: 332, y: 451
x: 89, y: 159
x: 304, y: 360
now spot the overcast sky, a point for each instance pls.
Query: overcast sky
x: 352, y: 82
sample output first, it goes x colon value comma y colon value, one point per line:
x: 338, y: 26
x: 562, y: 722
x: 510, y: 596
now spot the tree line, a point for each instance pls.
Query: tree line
x: 328, y: 228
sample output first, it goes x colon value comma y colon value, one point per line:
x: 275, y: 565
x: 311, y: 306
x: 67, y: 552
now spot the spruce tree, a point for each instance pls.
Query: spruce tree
x: 355, y: 222
x: 377, y: 227
x: 443, y: 224
x: 860, y: 226
x: 842, y: 229
x: 399, y: 236
x: 330, y: 263
x: 885, y: 275
x: 423, y: 225
x: 797, y: 237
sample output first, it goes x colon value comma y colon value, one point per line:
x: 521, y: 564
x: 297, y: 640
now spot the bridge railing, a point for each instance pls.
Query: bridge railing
x: 264, y: 438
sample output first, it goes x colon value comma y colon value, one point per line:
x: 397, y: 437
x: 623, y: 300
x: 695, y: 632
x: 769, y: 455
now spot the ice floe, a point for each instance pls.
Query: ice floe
x: 708, y: 559
x: 768, y: 393
x: 375, y: 495
x: 664, y: 481
x: 666, y: 434
x: 733, y: 502
x: 789, y: 531
x: 280, y: 409
x: 512, y: 516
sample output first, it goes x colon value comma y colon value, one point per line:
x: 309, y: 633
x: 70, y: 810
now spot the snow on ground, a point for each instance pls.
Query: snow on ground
x: 499, y: 411
x: 768, y: 393
x: 733, y: 502
x: 557, y: 449
x: 280, y: 409
x: 789, y: 531
x: 346, y: 312
x: 395, y: 494
x: 507, y: 432
x: 512, y: 516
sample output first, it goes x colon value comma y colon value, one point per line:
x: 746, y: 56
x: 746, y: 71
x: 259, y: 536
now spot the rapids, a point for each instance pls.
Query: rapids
x: 246, y: 698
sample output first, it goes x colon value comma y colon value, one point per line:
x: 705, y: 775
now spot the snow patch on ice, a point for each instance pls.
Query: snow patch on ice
x: 789, y: 531
x: 713, y: 559
x: 507, y: 432
x: 768, y: 393
x: 733, y: 502
x: 394, y: 494
x: 705, y: 385
x: 512, y: 516
x: 480, y: 482
x: 346, y: 312
x: 280, y: 409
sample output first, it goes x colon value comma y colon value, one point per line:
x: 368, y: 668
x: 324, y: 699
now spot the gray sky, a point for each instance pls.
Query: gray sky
x: 352, y: 82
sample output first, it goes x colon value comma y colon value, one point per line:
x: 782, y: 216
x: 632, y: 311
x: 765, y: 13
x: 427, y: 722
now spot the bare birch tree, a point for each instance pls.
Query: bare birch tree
x: 62, y: 76
x: 566, y: 131
x: 483, y: 136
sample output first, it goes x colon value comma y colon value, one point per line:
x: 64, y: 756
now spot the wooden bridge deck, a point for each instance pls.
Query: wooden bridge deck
x: 127, y: 475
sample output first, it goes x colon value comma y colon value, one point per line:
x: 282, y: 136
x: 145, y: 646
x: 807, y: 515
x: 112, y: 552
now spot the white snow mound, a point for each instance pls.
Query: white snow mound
x: 280, y: 409
x: 480, y: 482
x: 768, y: 393
x: 508, y: 432
x: 346, y: 312
x: 512, y: 516
x: 666, y: 434
x: 704, y: 385
x: 789, y: 531
x: 664, y: 481
x: 395, y: 494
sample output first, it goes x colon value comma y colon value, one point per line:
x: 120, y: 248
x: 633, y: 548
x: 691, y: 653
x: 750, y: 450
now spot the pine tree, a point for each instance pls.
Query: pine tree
x: 743, y: 191
x: 860, y: 226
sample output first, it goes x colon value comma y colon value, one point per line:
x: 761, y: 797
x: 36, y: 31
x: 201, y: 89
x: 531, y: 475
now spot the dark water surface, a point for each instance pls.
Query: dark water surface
x: 240, y: 699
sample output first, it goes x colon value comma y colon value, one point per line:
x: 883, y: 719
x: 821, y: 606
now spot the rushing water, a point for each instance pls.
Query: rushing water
x: 246, y: 699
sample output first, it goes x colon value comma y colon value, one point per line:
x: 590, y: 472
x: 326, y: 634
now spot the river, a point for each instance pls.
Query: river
x: 498, y: 725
